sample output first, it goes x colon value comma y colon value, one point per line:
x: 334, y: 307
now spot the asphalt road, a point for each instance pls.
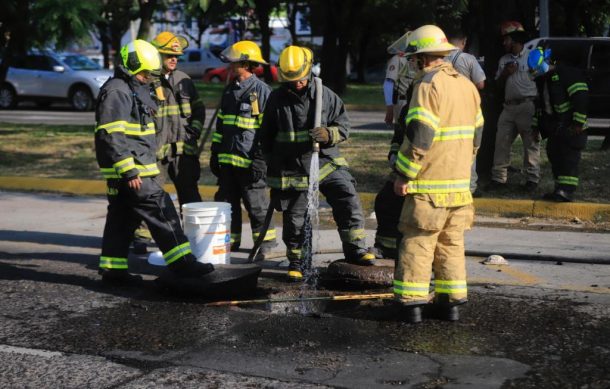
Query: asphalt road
x: 530, y: 324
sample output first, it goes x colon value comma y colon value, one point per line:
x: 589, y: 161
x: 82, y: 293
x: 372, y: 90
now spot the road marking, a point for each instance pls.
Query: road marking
x: 29, y: 351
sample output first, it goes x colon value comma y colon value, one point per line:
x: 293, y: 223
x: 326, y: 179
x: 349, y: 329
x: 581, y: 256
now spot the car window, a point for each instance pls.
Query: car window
x: 600, y: 57
x: 80, y: 62
x: 570, y: 52
x: 39, y: 62
x: 194, y: 56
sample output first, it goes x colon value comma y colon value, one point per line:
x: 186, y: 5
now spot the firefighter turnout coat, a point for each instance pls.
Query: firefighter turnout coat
x: 179, y: 122
x: 125, y: 147
x: 563, y: 101
x: 444, y: 127
x: 287, y: 145
x: 239, y: 119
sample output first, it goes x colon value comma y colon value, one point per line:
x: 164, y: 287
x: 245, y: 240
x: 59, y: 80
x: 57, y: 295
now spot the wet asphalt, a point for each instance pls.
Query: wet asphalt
x: 61, y: 327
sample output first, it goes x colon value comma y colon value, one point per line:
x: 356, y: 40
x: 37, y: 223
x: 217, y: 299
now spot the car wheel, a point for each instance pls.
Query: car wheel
x: 215, y: 80
x: 8, y: 97
x: 81, y: 99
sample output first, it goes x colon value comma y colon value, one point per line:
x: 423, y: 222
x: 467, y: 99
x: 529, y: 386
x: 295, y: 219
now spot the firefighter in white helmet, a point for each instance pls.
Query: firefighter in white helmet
x: 125, y: 149
x: 444, y: 126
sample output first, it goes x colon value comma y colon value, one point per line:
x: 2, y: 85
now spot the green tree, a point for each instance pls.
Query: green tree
x: 25, y: 24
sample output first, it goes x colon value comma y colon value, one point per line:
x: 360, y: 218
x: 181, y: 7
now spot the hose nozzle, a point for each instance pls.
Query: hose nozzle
x: 316, y: 147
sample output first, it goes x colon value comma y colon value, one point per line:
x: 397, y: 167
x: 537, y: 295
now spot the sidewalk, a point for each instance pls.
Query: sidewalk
x: 484, y: 206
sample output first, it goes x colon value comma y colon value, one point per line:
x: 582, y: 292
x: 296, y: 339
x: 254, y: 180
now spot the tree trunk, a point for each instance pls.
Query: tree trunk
x: 262, y: 10
x: 147, y: 9
x: 17, y: 37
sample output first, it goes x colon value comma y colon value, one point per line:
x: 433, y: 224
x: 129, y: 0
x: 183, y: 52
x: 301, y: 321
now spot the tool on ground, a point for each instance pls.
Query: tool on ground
x: 344, y: 297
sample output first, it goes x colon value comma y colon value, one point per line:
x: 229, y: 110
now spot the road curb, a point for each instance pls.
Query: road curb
x: 484, y: 206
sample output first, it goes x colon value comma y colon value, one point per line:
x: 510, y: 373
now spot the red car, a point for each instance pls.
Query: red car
x: 220, y: 74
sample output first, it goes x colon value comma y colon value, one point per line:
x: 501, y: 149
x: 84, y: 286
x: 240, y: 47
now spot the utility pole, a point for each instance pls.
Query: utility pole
x: 543, y: 10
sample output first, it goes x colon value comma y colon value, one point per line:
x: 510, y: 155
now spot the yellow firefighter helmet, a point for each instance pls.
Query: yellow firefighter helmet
x: 140, y: 55
x: 295, y: 63
x: 168, y: 43
x: 243, y: 51
x: 429, y: 39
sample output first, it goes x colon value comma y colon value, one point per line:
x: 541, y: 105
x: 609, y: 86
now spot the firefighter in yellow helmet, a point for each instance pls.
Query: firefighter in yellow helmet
x: 125, y: 149
x: 179, y: 120
x: 239, y: 119
x: 444, y: 126
x: 286, y: 140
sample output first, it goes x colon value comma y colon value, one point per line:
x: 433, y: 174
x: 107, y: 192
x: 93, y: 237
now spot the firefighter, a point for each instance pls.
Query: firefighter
x: 444, y: 127
x: 398, y: 77
x: 125, y: 149
x: 286, y: 139
x: 387, y: 236
x: 239, y: 118
x: 562, y: 117
x: 179, y: 120
x: 518, y: 112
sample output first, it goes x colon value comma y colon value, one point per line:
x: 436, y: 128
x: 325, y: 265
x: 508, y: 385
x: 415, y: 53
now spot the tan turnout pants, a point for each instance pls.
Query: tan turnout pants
x: 433, y: 240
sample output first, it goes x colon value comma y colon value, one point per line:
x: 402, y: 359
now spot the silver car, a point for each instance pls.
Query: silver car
x: 197, y: 62
x: 46, y: 77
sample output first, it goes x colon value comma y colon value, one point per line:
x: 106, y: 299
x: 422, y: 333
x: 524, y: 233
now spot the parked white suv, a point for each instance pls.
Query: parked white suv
x: 46, y: 77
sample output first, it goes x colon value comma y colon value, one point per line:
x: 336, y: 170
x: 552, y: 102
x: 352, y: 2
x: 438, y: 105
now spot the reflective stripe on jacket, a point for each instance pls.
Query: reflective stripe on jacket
x: 567, y: 98
x: 180, y: 117
x: 239, y: 118
x: 285, y: 139
x: 444, y: 128
x: 125, y: 143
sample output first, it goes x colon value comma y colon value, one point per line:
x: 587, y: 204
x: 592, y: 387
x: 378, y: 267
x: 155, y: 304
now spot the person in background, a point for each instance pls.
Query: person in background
x: 562, y: 117
x: 467, y: 65
x: 518, y: 112
x: 400, y: 74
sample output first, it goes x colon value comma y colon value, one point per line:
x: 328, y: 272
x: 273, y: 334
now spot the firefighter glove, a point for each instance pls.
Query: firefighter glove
x: 214, y: 165
x: 320, y: 135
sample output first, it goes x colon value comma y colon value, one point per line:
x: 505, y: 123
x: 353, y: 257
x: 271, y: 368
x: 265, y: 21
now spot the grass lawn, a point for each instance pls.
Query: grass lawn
x: 362, y: 94
x: 68, y: 152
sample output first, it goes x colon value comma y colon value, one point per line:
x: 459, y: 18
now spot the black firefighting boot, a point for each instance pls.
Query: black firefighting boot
x: 295, y: 271
x: 265, y: 250
x: 361, y: 257
x: 119, y: 277
x: 558, y: 195
x: 412, y: 314
x: 188, y: 267
x: 445, y: 309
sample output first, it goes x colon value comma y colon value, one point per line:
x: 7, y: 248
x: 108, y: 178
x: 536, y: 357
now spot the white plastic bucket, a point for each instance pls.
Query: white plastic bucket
x: 207, y: 225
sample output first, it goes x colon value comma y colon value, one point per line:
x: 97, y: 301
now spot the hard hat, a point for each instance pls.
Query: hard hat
x: 295, y: 63
x: 510, y: 26
x: 140, y: 55
x: 538, y: 61
x: 168, y: 43
x: 400, y: 45
x: 243, y: 51
x: 429, y: 39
